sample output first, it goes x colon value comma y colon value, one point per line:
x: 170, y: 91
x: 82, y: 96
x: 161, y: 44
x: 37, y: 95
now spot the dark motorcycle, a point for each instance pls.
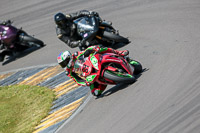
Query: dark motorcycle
x: 89, y: 28
x: 16, y: 40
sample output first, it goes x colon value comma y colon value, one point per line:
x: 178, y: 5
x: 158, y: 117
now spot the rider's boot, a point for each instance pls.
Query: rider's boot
x: 97, y: 89
x: 122, y: 53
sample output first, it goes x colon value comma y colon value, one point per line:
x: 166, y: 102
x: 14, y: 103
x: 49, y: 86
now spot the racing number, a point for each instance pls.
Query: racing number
x: 85, y: 68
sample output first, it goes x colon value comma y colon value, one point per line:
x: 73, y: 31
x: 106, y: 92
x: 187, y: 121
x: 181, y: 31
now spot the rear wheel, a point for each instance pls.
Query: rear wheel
x: 119, y: 77
x: 117, y: 38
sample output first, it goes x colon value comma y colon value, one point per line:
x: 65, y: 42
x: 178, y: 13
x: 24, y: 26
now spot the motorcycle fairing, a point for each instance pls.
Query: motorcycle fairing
x: 102, y: 60
x: 8, y: 34
x: 113, y: 58
x: 94, y: 62
x: 91, y: 78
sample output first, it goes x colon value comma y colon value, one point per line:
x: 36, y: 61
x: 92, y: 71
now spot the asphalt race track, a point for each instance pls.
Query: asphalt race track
x: 165, y: 38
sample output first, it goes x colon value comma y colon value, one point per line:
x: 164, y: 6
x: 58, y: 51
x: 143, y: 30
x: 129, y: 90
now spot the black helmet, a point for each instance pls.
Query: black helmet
x: 60, y: 19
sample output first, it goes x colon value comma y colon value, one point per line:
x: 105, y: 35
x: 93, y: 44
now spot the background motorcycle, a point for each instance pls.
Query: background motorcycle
x: 108, y: 68
x: 17, y: 40
x: 92, y: 27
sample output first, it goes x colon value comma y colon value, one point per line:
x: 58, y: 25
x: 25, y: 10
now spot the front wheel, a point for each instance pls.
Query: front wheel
x: 114, y: 37
x: 137, y: 66
x: 119, y: 77
x: 33, y: 40
x: 30, y: 41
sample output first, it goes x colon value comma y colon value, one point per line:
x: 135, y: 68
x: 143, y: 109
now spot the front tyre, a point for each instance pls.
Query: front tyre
x: 119, y: 77
x: 114, y: 37
x: 32, y: 40
x: 29, y: 41
x: 137, y: 66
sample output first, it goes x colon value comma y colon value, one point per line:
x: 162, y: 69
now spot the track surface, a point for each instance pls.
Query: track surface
x: 165, y: 37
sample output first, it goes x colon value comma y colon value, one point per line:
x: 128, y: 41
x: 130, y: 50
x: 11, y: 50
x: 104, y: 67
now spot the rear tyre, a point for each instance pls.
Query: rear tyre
x: 115, y: 37
x: 119, y: 77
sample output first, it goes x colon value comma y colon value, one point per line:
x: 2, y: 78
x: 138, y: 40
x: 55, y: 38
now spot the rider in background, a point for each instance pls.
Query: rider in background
x: 66, y: 30
x: 66, y: 60
x: 10, y: 51
x: 3, y: 51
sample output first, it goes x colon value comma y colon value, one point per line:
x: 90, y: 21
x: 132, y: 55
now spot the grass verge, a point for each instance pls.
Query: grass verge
x: 22, y: 107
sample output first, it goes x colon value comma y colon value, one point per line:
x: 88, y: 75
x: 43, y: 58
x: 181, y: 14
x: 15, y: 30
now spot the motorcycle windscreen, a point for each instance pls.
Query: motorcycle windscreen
x: 86, y: 26
x: 83, y: 67
x: 78, y: 67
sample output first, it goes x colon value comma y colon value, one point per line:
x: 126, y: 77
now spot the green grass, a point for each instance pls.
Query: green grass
x: 22, y: 107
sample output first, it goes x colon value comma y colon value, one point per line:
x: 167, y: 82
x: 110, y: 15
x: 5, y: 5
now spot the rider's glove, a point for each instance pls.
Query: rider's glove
x: 94, y: 13
x: 79, y: 43
x: 87, y: 44
x: 83, y: 43
x: 97, y: 49
x: 121, y: 53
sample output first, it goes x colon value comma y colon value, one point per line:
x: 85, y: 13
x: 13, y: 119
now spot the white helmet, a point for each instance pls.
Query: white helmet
x: 65, y: 59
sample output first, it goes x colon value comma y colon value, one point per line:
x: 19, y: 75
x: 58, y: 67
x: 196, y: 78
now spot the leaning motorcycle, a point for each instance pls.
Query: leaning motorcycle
x: 12, y: 37
x: 107, y: 69
x: 90, y: 28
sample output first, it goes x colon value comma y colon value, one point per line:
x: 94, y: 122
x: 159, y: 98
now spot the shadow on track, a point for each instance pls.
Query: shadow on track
x: 120, y: 86
x: 119, y: 45
x: 18, y: 55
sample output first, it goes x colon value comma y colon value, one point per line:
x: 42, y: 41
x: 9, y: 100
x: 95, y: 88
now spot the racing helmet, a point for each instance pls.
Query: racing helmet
x: 60, y: 19
x: 65, y: 59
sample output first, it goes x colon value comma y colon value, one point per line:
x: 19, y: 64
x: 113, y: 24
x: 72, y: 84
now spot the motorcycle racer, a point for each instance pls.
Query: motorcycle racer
x: 14, y: 41
x: 66, y: 60
x: 66, y: 29
x: 4, y: 52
